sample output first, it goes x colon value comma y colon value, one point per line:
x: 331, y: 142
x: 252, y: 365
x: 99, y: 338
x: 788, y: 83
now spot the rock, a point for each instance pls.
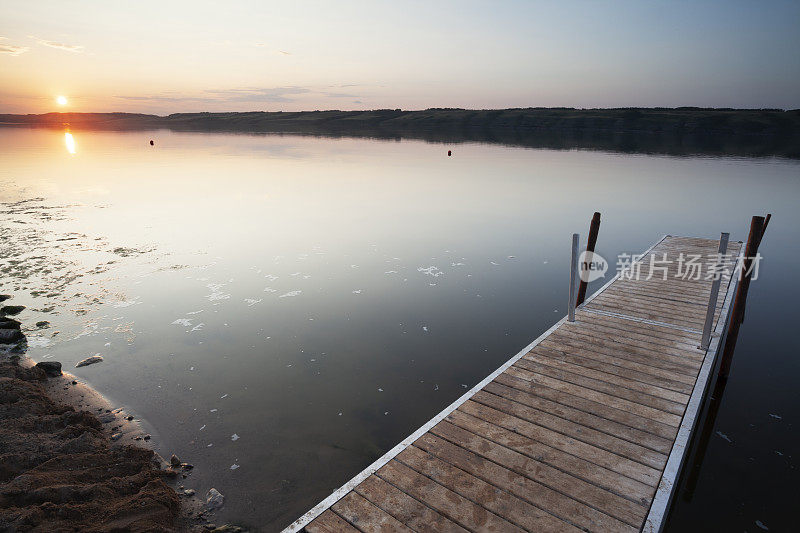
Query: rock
x: 89, y: 361
x: 187, y: 466
x: 11, y: 309
x: 105, y: 418
x: 7, y: 336
x: 9, y: 323
x: 43, y: 324
x: 171, y: 472
x: 174, y: 461
x: 116, y: 436
x: 188, y: 492
x: 147, y: 437
x: 214, y: 499
x: 74, y: 382
x: 51, y: 368
x: 4, y: 297
x: 129, y: 418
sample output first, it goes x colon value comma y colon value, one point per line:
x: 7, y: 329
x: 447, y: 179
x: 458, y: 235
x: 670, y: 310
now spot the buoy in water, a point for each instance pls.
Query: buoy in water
x: 152, y: 143
x: 449, y: 153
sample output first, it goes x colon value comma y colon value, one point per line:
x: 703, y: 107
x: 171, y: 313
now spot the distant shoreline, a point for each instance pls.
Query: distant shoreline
x: 674, y: 131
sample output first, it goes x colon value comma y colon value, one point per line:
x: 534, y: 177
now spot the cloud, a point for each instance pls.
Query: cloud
x: 259, y: 94
x: 244, y: 94
x: 10, y: 49
x: 340, y: 95
x: 284, y: 52
x: 77, y: 49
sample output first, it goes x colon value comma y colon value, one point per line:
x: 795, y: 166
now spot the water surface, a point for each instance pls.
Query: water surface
x: 281, y: 310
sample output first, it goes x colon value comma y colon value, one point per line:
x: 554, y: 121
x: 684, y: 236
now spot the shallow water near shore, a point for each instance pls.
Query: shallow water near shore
x: 285, y: 309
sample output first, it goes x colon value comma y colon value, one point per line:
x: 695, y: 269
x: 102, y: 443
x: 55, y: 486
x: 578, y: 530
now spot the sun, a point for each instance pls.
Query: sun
x: 61, y: 100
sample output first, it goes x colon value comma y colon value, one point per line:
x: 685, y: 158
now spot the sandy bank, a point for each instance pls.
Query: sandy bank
x: 69, y: 462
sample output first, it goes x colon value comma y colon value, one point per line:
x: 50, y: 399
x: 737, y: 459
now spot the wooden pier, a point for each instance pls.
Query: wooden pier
x: 584, y: 430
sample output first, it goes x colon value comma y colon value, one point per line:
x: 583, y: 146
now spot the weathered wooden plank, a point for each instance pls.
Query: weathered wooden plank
x: 622, y: 362
x: 404, y: 508
x: 529, y: 363
x: 633, y: 337
x: 330, y: 522
x: 365, y: 516
x: 552, y: 501
x: 535, y: 469
x: 457, y: 508
x: 550, y: 358
x: 572, y: 429
x: 596, y: 408
x: 573, y: 465
x: 500, y: 502
x: 571, y: 343
x: 657, y: 332
x: 619, y: 403
x: 610, y: 427
x: 621, y: 372
x: 620, y: 340
x: 564, y: 443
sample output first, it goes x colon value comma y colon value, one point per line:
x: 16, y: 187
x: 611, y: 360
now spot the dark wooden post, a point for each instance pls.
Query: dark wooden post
x: 753, y: 240
x: 594, y: 229
x: 758, y: 243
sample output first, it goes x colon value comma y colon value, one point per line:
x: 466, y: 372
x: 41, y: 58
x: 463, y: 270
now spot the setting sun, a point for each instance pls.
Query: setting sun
x: 61, y: 100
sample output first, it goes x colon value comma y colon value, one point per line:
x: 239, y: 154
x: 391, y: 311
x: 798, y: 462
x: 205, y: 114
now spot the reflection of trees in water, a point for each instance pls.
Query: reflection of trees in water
x: 682, y: 131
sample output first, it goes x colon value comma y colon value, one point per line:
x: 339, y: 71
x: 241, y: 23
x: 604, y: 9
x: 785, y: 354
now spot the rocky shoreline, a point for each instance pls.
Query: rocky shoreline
x: 71, y: 462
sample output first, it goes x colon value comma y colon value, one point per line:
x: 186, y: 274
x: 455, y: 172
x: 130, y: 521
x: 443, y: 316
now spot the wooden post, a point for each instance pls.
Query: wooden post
x: 712, y: 298
x: 573, y: 268
x: 594, y: 228
x: 761, y: 236
x: 756, y: 231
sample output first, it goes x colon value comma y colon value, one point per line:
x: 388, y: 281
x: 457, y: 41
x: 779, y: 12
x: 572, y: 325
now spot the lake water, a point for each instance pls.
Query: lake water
x: 282, y: 310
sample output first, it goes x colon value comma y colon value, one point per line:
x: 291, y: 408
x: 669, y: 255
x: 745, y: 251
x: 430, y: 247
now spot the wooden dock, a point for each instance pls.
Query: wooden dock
x: 584, y: 430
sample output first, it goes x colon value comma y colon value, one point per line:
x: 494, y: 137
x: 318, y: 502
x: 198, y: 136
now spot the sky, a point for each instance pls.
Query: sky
x: 186, y: 56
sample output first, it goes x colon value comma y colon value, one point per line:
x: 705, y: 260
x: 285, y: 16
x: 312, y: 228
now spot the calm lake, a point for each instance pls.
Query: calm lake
x: 282, y: 310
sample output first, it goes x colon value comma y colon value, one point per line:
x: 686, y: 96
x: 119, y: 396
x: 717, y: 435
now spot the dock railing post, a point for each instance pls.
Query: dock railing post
x: 712, y: 298
x: 573, y: 274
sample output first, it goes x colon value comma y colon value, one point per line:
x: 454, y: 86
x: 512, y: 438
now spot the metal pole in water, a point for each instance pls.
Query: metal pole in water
x: 572, y: 275
x: 712, y: 299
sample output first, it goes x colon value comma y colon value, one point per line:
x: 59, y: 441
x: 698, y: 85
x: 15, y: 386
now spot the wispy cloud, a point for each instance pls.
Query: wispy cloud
x: 244, y: 94
x: 340, y: 95
x: 260, y: 94
x: 60, y: 46
x: 265, y: 45
x: 11, y: 49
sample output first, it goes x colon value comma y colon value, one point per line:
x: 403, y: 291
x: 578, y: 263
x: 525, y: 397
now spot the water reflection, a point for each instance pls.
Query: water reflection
x: 69, y: 142
x: 321, y: 298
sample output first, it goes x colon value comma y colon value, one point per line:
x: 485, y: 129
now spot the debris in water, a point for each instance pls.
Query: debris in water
x: 202, y: 427
x: 234, y: 437
x: 778, y: 417
x: 724, y: 436
x: 89, y: 360
x: 760, y: 524
x: 234, y: 466
x: 214, y: 499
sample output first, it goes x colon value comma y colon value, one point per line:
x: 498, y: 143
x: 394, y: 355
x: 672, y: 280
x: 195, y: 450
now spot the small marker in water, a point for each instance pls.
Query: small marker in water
x: 152, y: 143
x: 449, y: 152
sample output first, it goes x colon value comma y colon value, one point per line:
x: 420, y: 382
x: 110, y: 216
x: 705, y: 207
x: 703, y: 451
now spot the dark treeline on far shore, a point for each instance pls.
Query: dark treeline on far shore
x: 674, y: 131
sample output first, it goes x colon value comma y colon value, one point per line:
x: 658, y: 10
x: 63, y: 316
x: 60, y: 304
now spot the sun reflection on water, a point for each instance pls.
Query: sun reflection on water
x: 69, y: 141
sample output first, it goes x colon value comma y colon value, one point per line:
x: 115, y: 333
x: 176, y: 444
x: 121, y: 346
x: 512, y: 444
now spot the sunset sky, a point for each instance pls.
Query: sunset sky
x: 172, y: 56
